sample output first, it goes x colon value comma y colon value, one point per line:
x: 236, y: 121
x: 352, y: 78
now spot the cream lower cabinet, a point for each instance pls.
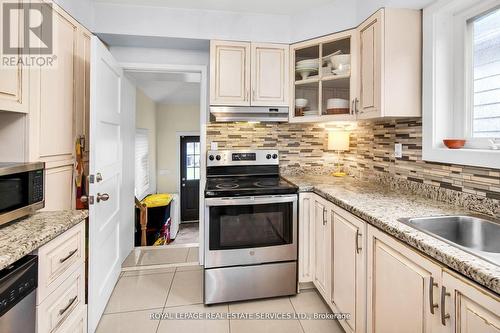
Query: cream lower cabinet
x: 402, y: 288
x: 321, y: 213
x: 60, y: 299
x: 306, y: 237
x: 385, y: 285
x: 348, y: 284
x: 468, y: 308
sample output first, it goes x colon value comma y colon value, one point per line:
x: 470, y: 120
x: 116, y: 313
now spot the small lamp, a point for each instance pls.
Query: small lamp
x: 338, y: 141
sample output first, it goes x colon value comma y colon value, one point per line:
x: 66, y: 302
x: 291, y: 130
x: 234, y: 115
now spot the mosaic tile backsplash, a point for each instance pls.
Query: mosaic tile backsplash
x: 303, y: 147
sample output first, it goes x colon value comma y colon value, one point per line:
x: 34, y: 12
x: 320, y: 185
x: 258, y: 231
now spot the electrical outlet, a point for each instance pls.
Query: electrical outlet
x: 214, y: 146
x: 398, y: 150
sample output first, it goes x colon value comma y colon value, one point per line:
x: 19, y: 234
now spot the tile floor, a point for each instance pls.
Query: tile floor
x: 161, y: 256
x: 173, y: 290
x: 187, y: 234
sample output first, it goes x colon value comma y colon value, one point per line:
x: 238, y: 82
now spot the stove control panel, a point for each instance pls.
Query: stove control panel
x: 242, y: 157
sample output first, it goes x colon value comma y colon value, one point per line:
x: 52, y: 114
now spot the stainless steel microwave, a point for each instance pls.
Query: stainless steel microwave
x: 21, y: 189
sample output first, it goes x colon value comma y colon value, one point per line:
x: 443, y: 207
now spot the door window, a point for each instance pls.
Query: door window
x: 192, y: 161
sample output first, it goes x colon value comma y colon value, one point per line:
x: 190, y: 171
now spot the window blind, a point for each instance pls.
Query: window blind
x: 141, y: 163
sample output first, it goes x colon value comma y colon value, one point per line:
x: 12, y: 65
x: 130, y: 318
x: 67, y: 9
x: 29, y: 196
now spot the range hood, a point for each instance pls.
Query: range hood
x: 249, y: 113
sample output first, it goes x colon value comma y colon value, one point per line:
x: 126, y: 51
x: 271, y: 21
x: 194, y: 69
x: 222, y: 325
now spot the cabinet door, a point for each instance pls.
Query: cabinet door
x: 370, y: 66
x: 13, y: 79
x: 306, y: 237
x: 348, y: 273
x: 269, y: 74
x: 53, y: 97
x: 322, y: 247
x: 229, y: 73
x: 400, y: 287
x: 471, y: 308
x: 59, y: 188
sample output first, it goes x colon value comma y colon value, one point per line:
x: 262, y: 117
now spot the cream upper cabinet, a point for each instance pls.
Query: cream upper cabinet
x: 468, y: 308
x: 306, y: 237
x: 348, y: 291
x: 322, y: 246
x: 402, y: 287
x: 269, y: 77
x: 244, y: 74
x: 14, y: 79
x: 324, y: 78
x: 229, y: 73
x: 390, y: 57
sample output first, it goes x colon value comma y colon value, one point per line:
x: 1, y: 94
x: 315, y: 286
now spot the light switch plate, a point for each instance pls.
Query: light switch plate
x: 398, y: 150
x: 214, y: 146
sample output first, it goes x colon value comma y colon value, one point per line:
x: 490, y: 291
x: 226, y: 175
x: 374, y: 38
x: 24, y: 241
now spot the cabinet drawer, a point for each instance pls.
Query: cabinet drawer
x: 58, y: 259
x: 63, y: 303
x: 76, y: 323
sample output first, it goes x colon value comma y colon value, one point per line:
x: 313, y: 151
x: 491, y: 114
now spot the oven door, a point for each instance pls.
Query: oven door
x: 250, y: 230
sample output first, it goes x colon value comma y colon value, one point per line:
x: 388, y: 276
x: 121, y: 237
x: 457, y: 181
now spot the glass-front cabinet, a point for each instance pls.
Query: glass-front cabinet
x: 325, y: 86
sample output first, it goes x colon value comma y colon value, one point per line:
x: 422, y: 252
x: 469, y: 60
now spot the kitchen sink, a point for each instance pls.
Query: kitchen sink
x: 476, y: 235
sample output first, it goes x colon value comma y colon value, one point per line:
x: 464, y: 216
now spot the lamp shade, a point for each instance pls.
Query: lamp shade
x: 338, y: 140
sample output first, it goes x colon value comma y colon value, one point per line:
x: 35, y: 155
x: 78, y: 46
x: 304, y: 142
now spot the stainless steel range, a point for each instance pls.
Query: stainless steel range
x: 250, y: 227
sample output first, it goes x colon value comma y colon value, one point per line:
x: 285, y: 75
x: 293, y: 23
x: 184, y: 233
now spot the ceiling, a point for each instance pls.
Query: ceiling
x: 284, y: 7
x: 168, y: 88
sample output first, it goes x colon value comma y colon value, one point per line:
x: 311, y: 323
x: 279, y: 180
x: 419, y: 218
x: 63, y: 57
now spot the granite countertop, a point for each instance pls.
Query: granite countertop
x: 22, y: 237
x: 380, y: 206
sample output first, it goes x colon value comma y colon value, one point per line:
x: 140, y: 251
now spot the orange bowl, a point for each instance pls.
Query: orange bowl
x: 454, y: 143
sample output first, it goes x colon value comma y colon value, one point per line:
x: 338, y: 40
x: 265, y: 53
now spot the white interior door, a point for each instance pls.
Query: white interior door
x: 106, y: 161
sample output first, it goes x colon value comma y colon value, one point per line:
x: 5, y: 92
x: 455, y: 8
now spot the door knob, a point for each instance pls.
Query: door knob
x: 84, y: 198
x: 103, y: 197
x: 98, y: 177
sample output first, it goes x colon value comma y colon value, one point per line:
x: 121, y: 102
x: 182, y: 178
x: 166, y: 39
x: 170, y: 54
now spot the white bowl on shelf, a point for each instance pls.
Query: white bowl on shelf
x: 306, y: 72
x: 301, y: 103
x: 340, y: 60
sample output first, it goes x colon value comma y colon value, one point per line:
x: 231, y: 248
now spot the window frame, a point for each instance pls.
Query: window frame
x: 447, y: 111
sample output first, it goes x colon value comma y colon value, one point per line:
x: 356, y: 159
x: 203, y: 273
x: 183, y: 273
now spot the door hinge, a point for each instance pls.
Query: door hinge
x: 91, y: 199
x: 91, y: 179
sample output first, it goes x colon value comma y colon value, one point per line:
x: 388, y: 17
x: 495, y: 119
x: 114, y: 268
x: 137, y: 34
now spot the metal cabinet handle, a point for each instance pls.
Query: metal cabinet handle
x: 358, y: 235
x: 103, y: 197
x: 324, y: 216
x: 72, y: 253
x: 356, y: 105
x: 352, y: 107
x: 432, y: 305
x: 71, y: 301
x: 444, y: 315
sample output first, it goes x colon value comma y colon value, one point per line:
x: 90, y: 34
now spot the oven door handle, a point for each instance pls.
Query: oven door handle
x: 257, y: 200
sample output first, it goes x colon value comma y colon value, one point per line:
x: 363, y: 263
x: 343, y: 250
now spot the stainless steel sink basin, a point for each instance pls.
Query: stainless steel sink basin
x: 473, y: 234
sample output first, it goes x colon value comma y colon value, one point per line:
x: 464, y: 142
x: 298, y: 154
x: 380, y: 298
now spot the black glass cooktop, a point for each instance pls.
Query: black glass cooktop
x: 252, y: 185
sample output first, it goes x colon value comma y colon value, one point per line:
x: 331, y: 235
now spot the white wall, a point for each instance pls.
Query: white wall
x: 160, y: 56
x: 173, y: 118
x: 337, y: 16
x: 190, y: 23
x: 81, y: 10
x: 364, y: 8
x: 145, y: 115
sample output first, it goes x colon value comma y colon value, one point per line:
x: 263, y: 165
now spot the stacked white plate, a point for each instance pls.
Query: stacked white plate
x: 307, y: 67
x: 311, y: 113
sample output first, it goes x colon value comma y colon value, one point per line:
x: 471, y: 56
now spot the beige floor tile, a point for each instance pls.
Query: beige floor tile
x: 189, y: 268
x: 274, y: 305
x: 193, y: 254
x: 310, y: 302
x: 195, y: 326
x: 128, y: 322
x: 149, y: 271
x: 156, y: 257
x: 186, y: 289
x: 140, y: 292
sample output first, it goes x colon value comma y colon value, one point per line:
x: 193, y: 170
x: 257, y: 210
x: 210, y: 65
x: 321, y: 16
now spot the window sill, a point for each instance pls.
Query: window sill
x: 487, y: 158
